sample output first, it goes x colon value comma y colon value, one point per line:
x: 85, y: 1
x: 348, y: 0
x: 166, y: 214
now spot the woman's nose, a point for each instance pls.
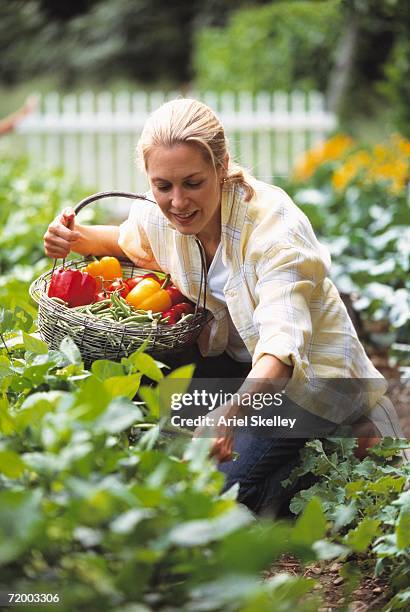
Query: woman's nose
x: 178, y: 198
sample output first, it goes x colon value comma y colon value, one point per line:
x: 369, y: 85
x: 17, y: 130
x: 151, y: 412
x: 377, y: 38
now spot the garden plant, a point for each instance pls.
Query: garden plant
x: 100, y: 509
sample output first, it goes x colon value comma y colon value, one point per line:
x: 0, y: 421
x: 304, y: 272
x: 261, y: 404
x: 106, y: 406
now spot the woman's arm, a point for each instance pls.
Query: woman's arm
x: 267, y: 369
x: 97, y: 240
x: 64, y: 234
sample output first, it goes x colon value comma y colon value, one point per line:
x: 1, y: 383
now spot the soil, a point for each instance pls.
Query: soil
x: 370, y: 595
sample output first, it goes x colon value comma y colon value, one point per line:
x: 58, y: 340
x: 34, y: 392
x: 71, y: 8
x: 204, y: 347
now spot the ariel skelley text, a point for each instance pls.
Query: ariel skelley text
x: 234, y: 421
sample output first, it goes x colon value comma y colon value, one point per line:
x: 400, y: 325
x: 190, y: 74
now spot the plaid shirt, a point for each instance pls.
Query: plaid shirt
x: 278, y: 293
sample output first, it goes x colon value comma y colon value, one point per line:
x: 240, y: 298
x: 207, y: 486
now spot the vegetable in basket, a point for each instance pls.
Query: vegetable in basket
x: 106, y: 268
x: 149, y: 294
x: 119, y: 286
x: 174, y: 314
x: 175, y: 295
x: 72, y: 286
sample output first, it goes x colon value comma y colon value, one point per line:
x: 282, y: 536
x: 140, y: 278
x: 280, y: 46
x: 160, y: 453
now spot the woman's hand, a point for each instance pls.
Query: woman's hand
x: 61, y: 234
x: 222, y: 435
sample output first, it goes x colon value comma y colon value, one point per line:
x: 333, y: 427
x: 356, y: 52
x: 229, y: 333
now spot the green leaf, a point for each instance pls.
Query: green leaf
x: 34, y: 407
x: 103, y: 369
x: 158, y: 399
x: 90, y: 400
x: 146, y: 365
x: 360, y: 538
x: 198, y: 533
x: 19, y: 519
x: 10, y: 464
x: 326, y: 550
x: 403, y: 521
x: 142, y: 347
x: 386, y: 485
x: 126, y: 386
x: 7, y: 425
x: 176, y: 383
x: 343, y: 515
x: 70, y: 350
x: 24, y: 320
x: 120, y: 414
x: 125, y: 523
x: 34, y: 345
x: 311, y: 525
x: 184, y: 373
x: 267, y: 541
x: 7, y: 320
x: 36, y: 373
x: 401, y: 600
x: 150, y: 396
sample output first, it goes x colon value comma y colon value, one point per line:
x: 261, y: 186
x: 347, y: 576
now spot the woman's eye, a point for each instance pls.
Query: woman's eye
x: 163, y: 187
x: 193, y: 185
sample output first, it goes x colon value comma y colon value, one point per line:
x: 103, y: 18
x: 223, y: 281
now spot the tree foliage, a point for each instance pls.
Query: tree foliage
x: 279, y: 46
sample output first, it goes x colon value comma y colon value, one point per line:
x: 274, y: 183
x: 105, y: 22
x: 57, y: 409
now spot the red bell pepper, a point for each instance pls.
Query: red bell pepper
x: 120, y: 286
x: 134, y: 280
x: 72, y: 286
x: 101, y: 296
x: 174, y: 314
x: 153, y: 275
x: 175, y: 295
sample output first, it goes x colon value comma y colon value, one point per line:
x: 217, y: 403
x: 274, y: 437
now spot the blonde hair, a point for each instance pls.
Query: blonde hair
x: 186, y: 120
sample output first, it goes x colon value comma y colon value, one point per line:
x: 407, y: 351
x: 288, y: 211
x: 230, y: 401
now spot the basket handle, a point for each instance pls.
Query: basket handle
x: 99, y: 196
x: 138, y: 196
x: 110, y: 194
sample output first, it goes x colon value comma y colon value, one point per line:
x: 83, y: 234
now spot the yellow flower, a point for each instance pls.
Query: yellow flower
x: 354, y: 165
x: 330, y: 150
x: 401, y: 144
x: 388, y: 162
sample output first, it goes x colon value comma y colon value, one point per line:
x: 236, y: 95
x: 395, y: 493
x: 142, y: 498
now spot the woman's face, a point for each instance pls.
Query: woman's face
x: 186, y: 188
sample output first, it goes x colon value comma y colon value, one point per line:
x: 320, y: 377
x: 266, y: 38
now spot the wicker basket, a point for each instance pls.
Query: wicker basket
x: 102, y: 339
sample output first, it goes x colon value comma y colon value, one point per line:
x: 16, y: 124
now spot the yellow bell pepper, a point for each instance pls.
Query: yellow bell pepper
x: 149, y: 295
x: 107, y: 268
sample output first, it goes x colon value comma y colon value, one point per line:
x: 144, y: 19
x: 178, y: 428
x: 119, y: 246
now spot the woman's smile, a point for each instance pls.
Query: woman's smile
x: 187, y: 189
x: 186, y: 218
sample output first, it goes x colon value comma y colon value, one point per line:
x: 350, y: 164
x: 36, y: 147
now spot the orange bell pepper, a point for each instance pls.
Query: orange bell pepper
x: 107, y: 269
x: 150, y: 295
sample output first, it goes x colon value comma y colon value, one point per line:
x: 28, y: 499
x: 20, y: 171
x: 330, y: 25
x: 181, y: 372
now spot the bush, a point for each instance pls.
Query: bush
x: 396, y: 87
x: 30, y: 199
x: 279, y: 46
x: 357, y: 200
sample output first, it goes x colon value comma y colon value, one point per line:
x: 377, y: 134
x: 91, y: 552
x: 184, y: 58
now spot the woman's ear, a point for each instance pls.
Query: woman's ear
x: 224, y: 169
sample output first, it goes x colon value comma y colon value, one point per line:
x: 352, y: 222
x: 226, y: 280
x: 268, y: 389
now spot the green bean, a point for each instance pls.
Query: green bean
x: 99, y: 307
x: 118, y: 312
x: 185, y: 318
x: 101, y: 304
x: 121, y: 304
x: 59, y: 301
x: 137, y: 319
x: 104, y: 315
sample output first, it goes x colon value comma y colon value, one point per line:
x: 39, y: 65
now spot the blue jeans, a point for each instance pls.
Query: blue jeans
x: 262, y: 462
x: 259, y: 469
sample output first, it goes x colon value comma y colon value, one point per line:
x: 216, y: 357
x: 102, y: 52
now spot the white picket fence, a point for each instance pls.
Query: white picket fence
x: 93, y: 136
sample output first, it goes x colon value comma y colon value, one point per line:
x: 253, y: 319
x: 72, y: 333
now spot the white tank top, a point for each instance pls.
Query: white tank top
x: 217, y: 277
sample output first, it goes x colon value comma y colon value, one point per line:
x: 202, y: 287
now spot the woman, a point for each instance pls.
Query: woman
x: 276, y: 315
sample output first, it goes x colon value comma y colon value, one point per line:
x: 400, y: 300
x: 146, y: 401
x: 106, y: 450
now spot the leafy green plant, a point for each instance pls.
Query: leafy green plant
x: 365, y: 501
x: 276, y: 46
x: 97, y: 506
x: 356, y: 198
x: 29, y: 201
